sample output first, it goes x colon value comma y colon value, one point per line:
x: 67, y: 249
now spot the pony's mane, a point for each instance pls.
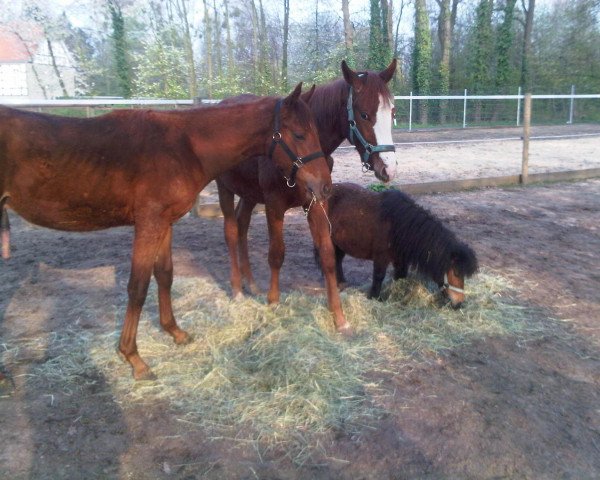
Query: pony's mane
x: 329, y: 98
x: 416, y: 234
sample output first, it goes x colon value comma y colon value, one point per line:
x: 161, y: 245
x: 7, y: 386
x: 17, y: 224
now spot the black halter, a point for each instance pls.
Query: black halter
x: 297, y: 162
x: 355, y: 132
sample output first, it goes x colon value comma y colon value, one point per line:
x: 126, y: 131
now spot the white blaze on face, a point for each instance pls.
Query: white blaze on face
x: 383, y: 134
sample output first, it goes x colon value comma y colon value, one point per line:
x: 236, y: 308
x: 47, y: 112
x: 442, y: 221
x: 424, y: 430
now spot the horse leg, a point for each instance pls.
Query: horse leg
x: 319, y: 229
x: 339, y: 269
x: 163, y: 272
x: 244, y: 215
x: 226, y: 201
x: 146, y: 242
x: 379, y: 269
x: 400, y: 269
x: 275, y: 213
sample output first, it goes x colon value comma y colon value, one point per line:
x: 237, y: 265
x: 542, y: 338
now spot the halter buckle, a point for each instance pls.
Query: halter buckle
x: 288, y: 180
x: 277, y: 136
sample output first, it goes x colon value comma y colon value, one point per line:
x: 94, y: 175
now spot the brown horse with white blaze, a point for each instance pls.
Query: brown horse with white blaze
x: 357, y: 107
x: 145, y: 168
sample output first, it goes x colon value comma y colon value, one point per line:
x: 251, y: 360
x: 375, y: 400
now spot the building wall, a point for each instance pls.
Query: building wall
x: 25, y: 80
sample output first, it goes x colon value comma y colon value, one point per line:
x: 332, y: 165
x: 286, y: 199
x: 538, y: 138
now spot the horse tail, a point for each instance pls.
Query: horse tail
x: 4, y: 230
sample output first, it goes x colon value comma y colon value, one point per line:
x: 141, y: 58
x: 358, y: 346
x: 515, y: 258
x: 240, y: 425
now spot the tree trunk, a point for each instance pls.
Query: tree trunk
x: 348, y: 33
x: 422, y: 57
x: 208, y: 50
x: 230, y: 63
x: 445, y: 38
x: 189, y: 51
x: 286, y: 35
x: 217, y: 42
x: 525, y: 65
x: 55, y: 68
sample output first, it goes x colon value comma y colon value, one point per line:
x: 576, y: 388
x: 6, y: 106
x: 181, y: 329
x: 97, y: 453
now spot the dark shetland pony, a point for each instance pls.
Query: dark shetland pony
x: 389, y: 227
x: 359, y: 107
x: 145, y: 168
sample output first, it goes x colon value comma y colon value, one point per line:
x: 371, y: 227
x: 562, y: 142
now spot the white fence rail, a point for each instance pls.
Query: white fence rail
x: 405, y: 106
x: 466, y: 99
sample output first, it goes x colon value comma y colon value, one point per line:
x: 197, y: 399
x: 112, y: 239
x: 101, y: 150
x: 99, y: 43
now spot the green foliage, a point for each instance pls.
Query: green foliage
x: 483, y: 47
x: 161, y: 71
x: 380, y: 53
x: 118, y: 36
x: 380, y: 187
x: 504, y: 45
x: 421, y: 68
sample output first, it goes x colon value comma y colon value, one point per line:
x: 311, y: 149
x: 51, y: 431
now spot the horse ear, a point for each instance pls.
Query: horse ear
x: 294, y: 96
x: 351, y: 77
x: 306, y: 96
x: 387, y: 74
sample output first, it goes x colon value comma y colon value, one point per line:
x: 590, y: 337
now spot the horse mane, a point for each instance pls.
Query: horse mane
x: 421, y: 238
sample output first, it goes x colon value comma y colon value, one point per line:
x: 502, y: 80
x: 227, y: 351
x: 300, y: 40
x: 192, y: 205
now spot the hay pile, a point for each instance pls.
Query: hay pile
x: 280, y: 376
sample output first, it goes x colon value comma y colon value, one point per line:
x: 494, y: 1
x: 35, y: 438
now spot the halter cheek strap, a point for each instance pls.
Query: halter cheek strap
x: 447, y: 286
x: 354, y: 133
x: 297, y: 162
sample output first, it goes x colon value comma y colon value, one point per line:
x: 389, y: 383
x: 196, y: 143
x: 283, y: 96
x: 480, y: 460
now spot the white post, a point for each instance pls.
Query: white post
x: 410, y: 113
x: 465, y: 110
x: 526, y: 133
x: 570, y: 122
x: 519, y: 107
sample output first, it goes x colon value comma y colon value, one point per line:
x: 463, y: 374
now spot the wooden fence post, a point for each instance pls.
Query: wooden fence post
x: 526, y: 132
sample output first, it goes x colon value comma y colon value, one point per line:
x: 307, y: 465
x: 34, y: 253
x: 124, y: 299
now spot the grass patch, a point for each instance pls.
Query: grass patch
x: 280, y: 376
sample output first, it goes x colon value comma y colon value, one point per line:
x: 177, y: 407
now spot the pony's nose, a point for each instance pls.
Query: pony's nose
x: 457, y: 305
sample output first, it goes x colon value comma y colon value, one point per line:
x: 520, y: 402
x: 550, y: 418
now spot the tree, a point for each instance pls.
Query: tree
x: 120, y: 48
x: 348, y: 34
x: 504, y: 46
x: 526, y: 57
x: 379, y: 50
x: 445, y: 39
x: 286, y: 38
x: 483, y: 47
x: 421, y: 67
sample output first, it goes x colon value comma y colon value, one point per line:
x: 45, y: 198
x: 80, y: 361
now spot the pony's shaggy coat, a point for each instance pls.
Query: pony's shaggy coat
x: 390, y: 227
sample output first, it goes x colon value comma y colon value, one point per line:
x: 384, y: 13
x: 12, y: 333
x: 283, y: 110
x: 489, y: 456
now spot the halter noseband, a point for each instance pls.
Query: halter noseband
x: 447, y: 286
x: 297, y: 162
x: 355, y: 132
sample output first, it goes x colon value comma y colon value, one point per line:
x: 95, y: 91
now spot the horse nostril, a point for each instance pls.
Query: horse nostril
x: 384, y: 175
x: 326, y: 191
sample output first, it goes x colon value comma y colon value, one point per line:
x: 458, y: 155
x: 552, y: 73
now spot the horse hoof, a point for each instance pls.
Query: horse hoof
x: 183, y: 338
x: 144, y: 374
x: 345, y: 331
x: 238, y: 297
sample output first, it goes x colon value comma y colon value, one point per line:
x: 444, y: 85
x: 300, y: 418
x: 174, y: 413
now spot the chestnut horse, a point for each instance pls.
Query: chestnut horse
x: 389, y: 227
x: 357, y: 107
x: 145, y: 168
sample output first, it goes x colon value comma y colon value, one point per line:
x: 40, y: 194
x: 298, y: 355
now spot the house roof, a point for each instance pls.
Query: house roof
x: 18, y: 43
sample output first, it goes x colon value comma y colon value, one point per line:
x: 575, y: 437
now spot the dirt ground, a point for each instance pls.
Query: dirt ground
x: 501, y: 407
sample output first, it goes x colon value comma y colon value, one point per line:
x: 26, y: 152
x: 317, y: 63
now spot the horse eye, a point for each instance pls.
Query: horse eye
x: 298, y: 136
x: 364, y: 116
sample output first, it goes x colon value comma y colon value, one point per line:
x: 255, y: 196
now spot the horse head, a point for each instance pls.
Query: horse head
x: 370, y: 109
x: 463, y: 264
x: 295, y: 147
